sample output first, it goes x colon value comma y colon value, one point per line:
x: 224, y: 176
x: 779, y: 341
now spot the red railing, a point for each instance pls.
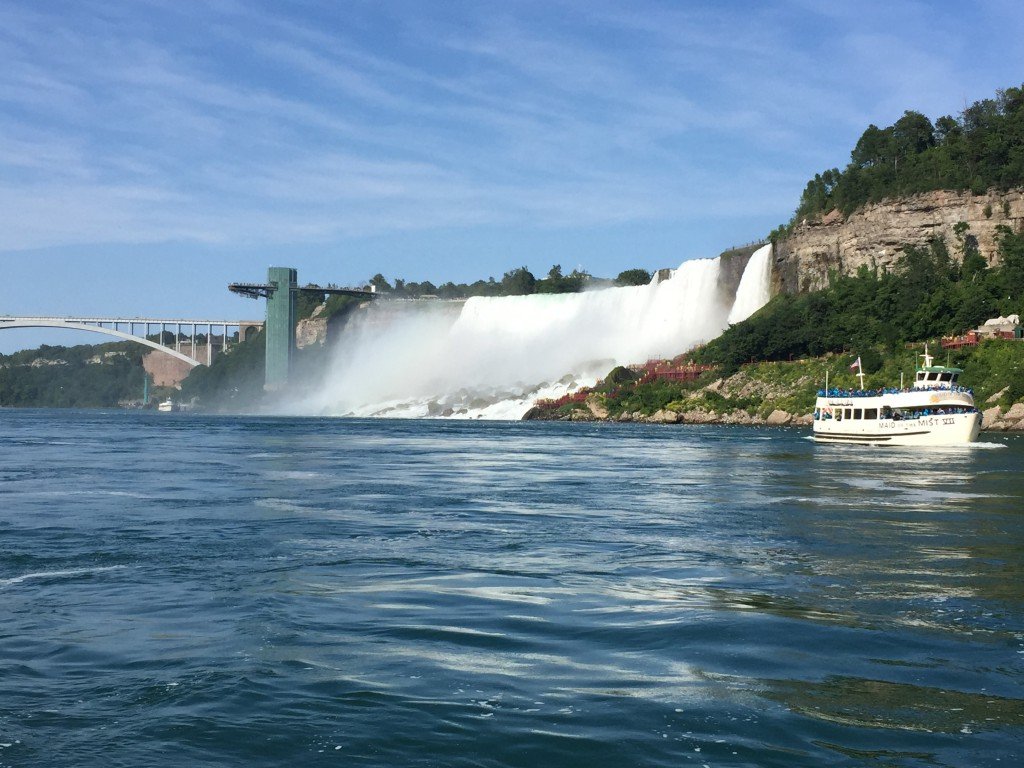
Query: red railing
x: 572, y: 397
x: 677, y: 369
x: 972, y: 338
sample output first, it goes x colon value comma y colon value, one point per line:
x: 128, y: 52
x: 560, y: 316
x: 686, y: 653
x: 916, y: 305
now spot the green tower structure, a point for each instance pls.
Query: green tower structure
x: 280, y: 327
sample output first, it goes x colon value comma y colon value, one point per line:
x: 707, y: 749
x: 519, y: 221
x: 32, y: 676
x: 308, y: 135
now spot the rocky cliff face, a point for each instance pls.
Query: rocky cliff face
x: 311, y: 331
x: 730, y: 271
x: 874, y: 235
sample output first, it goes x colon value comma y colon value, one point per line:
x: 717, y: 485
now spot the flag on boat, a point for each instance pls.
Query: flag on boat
x: 856, y: 365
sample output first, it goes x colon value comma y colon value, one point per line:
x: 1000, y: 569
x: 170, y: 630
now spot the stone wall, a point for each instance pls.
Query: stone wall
x: 874, y: 234
x: 167, y: 371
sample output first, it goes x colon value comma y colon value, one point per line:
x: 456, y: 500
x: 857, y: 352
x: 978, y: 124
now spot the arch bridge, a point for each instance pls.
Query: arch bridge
x: 152, y: 332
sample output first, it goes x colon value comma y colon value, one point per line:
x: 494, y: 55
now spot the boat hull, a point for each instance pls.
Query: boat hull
x: 952, y: 429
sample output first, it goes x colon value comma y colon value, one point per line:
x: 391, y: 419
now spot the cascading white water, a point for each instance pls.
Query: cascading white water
x: 495, y: 356
x: 754, y: 289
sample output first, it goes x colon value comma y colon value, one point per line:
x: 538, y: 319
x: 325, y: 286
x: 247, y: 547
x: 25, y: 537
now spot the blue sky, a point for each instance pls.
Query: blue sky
x: 152, y: 152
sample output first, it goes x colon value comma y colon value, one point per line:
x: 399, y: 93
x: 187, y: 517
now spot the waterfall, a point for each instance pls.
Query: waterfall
x: 493, y: 357
x: 755, y: 285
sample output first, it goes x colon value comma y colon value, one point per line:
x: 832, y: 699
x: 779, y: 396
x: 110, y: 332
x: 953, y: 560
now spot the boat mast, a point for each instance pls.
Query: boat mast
x: 860, y: 371
x: 927, y: 358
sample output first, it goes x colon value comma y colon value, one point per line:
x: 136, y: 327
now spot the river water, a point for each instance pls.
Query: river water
x: 184, y: 590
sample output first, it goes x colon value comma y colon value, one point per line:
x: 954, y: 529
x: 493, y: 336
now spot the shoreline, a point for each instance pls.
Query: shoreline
x: 994, y: 419
x: 777, y: 418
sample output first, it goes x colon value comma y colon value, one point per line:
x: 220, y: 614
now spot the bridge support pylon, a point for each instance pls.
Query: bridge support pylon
x: 281, y: 321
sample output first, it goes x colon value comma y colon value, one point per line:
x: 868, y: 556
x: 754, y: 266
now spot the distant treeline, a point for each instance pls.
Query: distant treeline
x: 981, y: 149
x: 929, y: 294
x: 516, y: 282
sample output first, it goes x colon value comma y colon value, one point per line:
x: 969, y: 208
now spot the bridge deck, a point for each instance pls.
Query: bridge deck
x: 139, y: 329
x: 125, y: 320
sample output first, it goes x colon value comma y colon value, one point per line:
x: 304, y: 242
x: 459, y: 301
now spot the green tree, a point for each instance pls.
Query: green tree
x: 518, y: 282
x: 1011, y: 253
x: 872, y: 148
x: 307, y: 302
x: 972, y: 263
x: 981, y: 149
x: 913, y: 134
x: 553, y: 283
x: 633, y: 277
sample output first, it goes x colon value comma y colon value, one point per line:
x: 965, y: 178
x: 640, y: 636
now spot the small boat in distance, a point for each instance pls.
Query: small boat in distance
x: 936, y: 410
x: 167, y: 406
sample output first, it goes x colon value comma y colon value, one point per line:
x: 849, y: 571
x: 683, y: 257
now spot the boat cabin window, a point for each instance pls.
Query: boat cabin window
x: 945, y: 377
x: 858, y: 413
x: 839, y: 414
x: 848, y: 414
x: 870, y: 413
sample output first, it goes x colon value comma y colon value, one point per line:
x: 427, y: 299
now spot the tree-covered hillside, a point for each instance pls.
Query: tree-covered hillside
x: 930, y: 294
x: 980, y: 149
x: 235, y: 380
x: 84, y: 376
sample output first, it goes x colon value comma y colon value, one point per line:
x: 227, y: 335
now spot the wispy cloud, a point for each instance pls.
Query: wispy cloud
x: 236, y: 123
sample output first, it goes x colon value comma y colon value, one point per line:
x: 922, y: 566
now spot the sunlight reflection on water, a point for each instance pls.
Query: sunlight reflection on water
x: 489, y: 594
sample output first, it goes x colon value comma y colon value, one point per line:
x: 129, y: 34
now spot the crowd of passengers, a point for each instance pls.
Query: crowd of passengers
x: 833, y: 392
x: 900, y: 414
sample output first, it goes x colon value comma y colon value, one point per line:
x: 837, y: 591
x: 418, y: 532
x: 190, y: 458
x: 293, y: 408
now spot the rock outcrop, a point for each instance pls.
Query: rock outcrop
x: 311, y: 331
x: 874, y: 235
x: 664, y: 416
x: 998, y: 421
x: 779, y: 418
x: 596, y: 407
x: 731, y: 264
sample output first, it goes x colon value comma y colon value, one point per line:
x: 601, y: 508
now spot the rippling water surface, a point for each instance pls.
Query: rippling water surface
x: 179, y: 590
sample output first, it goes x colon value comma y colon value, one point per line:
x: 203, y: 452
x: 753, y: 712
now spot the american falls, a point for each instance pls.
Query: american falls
x: 492, y: 358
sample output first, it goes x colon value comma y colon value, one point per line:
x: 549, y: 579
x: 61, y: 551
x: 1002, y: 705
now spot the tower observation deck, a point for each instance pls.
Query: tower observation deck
x: 281, y: 292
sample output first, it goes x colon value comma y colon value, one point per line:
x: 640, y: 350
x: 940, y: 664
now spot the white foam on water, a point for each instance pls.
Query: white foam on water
x: 57, y: 574
x: 494, y: 357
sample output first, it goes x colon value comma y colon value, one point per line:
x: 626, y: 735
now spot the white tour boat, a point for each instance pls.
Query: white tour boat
x: 936, y: 410
x: 167, y: 406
